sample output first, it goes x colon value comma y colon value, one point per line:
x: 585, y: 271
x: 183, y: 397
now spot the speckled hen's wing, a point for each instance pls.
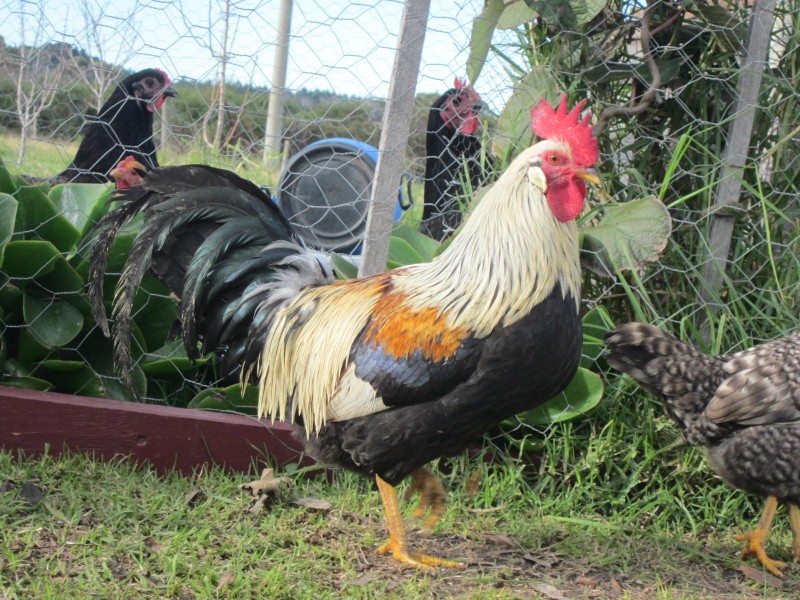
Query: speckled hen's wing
x: 763, y: 387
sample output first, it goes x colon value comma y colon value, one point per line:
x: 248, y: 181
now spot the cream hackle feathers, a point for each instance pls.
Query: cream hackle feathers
x: 509, y: 256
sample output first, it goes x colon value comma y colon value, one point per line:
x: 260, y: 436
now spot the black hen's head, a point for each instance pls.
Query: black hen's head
x: 458, y: 108
x: 150, y: 87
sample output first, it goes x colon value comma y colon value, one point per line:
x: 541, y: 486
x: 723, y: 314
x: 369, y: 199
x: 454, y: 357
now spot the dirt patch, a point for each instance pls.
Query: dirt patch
x: 497, y: 562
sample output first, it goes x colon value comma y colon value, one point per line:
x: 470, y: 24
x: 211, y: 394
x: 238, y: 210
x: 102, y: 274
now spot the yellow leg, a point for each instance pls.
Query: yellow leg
x: 431, y: 497
x: 757, y: 538
x: 398, y: 541
x: 794, y: 521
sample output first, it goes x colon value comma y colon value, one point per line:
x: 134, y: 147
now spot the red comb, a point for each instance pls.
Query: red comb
x: 167, y: 80
x: 459, y: 83
x: 558, y: 124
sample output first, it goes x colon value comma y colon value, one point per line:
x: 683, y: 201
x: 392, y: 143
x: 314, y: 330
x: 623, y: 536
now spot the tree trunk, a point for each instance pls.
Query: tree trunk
x: 223, y: 63
x: 23, y: 141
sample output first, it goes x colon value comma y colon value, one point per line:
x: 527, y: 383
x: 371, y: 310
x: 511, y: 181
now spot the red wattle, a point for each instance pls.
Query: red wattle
x: 566, y: 200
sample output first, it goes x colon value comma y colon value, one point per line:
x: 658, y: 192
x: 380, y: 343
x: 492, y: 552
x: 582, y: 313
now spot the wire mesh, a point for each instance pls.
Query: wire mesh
x: 63, y: 60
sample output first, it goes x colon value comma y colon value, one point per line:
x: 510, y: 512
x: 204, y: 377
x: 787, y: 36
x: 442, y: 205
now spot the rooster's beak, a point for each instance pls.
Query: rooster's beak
x: 169, y: 91
x: 589, y: 175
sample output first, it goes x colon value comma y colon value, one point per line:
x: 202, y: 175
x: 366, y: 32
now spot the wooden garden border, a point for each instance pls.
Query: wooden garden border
x: 183, y: 439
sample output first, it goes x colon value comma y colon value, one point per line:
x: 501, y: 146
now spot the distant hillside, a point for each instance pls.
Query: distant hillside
x: 309, y: 115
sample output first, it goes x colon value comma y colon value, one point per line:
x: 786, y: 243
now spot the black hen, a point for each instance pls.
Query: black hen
x: 743, y: 409
x: 450, y: 143
x: 123, y: 127
x: 205, y: 237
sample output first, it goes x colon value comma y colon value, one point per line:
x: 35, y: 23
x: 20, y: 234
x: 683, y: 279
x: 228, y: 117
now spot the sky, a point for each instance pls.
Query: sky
x: 336, y: 45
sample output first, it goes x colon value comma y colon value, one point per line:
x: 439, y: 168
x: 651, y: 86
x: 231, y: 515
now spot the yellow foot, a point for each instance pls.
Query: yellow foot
x: 794, y: 521
x: 755, y: 546
x: 431, y: 497
x: 417, y: 559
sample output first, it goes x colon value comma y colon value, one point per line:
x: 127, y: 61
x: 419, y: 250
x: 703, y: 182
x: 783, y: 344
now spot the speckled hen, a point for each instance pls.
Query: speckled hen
x: 743, y: 409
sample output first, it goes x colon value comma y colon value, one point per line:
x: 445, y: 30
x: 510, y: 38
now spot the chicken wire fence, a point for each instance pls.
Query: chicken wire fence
x: 728, y: 277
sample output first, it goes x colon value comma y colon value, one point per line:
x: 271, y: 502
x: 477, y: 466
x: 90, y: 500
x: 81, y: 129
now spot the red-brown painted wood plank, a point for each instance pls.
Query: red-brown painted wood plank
x: 167, y: 438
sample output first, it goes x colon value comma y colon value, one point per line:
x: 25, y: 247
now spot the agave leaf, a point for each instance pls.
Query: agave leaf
x: 38, y: 218
x: 481, y: 38
x: 70, y: 377
x: 53, y: 322
x: 595, y: 323
x: 27, y: 383
x: 229, y: 399
x: 170, y: 360
x: 7, y: 183
x: 344, y: 268
x: 514, y: 123
x: 8, y: 213
x: 82, y: 204
x: 402, y: 253
x: 421, y: 243
x: 581, y: 395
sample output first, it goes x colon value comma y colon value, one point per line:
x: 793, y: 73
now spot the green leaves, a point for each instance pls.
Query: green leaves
x: 38, y: 219
x: 483, y: 27
x: 628, y: 236
x: 514, y: 124
x: 559, y: 15
x: 48, y: 339
x: 82, y: 204
x: 53, y: 322
x: 229, y: 399
x: 581, y: 395
x: 408, y: 246
x: 8, y: 214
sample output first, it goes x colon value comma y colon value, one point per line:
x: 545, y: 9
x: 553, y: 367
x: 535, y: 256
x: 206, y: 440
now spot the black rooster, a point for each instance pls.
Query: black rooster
x: 449, y: 144
x: 192, y: 207
x: 123, y: 127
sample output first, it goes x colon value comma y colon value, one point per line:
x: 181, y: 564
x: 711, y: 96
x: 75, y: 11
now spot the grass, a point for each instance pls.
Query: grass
x: 48, y: 157
x: 108, y: 530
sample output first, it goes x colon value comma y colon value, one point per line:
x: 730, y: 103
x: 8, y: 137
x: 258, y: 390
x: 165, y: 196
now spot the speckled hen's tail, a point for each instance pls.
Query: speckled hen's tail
x: 661, y: 363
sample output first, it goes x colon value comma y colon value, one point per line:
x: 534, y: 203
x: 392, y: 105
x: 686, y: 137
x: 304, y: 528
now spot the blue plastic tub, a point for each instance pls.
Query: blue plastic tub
x: 325, y: 190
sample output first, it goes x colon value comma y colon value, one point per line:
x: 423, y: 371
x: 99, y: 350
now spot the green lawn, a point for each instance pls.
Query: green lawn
x: 105, y: 530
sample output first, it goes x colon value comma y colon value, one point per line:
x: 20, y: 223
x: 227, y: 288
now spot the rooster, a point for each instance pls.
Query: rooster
x: 123, y: 127
x: 743, y: 409
x: 450, y: 144
x: 385, y: 373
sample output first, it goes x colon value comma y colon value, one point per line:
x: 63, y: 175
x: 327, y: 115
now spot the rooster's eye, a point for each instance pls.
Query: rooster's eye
x: 553, y: 159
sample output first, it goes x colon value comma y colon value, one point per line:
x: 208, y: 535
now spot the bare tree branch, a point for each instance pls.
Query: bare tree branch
x: 36, y: 80
x: 647, y: 98
x: 103, y: 70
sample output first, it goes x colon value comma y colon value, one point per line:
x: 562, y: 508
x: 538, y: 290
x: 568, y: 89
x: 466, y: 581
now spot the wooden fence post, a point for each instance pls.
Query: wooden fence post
x: 726, y: 196
x: 394, y: 136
